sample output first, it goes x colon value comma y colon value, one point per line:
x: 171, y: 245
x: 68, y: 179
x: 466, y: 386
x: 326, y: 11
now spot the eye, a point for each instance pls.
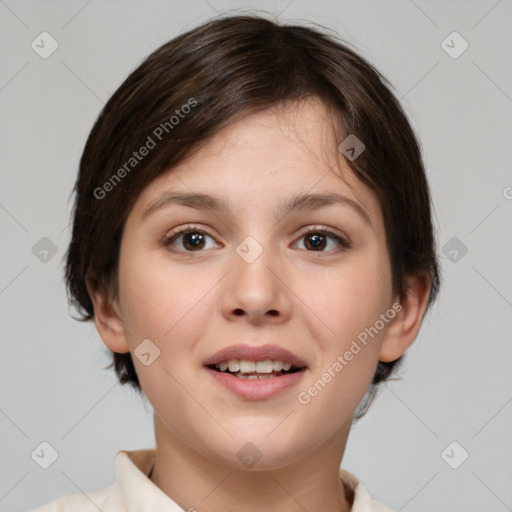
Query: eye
x: 192, y: 238
x: 316, y: 239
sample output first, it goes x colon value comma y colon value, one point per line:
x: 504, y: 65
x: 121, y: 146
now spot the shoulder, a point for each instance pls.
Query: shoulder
x: 89, y: 502
x: 361, y: 499
x: 131, y: 483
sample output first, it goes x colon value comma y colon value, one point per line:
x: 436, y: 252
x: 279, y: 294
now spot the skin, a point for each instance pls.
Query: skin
x: 313, y: 303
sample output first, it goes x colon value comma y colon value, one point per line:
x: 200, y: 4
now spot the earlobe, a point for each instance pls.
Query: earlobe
x: 108, y: 320
x: 404, y: 328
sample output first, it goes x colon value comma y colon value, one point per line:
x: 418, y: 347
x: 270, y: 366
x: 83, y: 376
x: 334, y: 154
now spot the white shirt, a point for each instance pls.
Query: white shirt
x: 135, y: 492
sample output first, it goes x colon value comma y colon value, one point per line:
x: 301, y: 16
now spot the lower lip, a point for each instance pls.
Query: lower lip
x: 256, y: 389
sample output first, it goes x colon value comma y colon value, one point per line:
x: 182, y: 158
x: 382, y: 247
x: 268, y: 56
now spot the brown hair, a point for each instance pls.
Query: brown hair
x: 225, y: 69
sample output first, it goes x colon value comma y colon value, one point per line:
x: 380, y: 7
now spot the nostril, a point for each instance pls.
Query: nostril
x: 272, y: 312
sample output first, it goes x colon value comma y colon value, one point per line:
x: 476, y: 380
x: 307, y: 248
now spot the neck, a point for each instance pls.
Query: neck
x: 198, y: 483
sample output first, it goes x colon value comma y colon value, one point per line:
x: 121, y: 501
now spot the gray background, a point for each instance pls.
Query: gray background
x: 457, y: 383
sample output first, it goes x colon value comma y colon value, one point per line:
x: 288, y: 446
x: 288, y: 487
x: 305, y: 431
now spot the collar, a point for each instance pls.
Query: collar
x: 140, y: 494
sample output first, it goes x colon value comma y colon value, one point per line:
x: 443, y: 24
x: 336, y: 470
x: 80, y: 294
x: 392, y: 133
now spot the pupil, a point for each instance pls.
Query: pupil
x: 318, y: 241
x: 196, y: 239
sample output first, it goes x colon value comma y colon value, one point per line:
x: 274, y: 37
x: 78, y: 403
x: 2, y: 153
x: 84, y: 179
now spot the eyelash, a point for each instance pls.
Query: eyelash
x: 323, y: 230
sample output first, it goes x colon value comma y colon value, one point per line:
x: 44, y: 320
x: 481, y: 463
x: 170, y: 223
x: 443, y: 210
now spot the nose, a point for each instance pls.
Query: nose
x: 256, y: 289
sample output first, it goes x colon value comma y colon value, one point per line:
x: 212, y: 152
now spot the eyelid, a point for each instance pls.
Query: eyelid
x: 303, y: 231
x: 181, y: 230
x: 340, y: 237
x: 325, y: 230
x: 184, y: 229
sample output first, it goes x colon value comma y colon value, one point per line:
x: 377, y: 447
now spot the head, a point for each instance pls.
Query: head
x: 254, y: 113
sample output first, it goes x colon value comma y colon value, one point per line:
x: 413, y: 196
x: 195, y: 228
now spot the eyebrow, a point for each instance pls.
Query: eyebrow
x: 218, y: 204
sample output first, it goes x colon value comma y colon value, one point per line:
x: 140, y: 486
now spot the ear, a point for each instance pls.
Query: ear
x: 108, y: 318
x: 404, y: 328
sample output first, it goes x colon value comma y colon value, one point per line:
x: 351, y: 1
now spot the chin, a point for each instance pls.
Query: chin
x: 255, y: 450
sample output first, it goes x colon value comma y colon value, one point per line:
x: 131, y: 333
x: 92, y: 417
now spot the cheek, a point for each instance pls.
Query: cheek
x: 164, y: 302
x: 167, y: 305
x: 343, y: 301
x: 348, y: 350
x: 346, y: 304
x: 151, y: 296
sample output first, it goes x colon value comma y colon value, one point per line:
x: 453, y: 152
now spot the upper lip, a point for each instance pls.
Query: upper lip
x: 255, y: 353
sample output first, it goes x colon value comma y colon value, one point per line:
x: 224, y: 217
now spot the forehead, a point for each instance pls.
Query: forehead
x: 265, y: 157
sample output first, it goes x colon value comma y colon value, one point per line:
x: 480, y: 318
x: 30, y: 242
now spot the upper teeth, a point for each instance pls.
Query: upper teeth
x: 246, y: 366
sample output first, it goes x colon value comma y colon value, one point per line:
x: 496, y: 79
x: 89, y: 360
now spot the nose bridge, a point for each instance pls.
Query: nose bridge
x: 250, y: 249
x: 254, y: 258
x: 255, y: 287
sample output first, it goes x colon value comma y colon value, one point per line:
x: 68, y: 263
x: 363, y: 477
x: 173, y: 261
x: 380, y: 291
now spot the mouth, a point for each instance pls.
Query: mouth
x: 246, y: 369
x: 255, y: 372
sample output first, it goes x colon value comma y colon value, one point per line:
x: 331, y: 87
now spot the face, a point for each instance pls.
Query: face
x: 195, y: 279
